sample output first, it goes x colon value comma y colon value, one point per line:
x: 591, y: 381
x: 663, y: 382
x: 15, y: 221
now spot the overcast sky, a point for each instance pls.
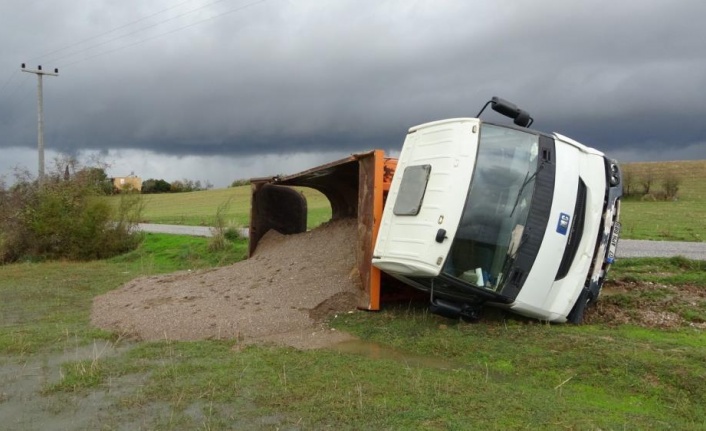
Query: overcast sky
x: 218, y: 90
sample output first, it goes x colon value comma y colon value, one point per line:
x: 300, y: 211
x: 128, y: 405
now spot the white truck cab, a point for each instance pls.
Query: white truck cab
x: 481, y: 213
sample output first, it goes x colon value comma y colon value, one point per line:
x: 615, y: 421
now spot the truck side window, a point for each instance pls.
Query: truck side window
x: 412, y: 188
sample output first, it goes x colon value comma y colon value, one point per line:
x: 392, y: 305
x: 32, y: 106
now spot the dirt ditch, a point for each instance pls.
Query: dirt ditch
x: 649, y: 305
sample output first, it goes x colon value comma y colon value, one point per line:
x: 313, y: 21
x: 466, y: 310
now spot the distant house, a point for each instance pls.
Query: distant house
x: 131, y: 182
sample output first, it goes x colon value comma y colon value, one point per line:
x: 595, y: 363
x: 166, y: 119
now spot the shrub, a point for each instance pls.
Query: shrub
x: 629, y: 181
x: 64, y: 219
x: 232, y: 234
x: 670, y: 185
x: 647, y: 179
x: 222, y: 235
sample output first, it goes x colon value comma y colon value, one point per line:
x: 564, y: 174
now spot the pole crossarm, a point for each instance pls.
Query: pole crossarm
x: 42, y: 72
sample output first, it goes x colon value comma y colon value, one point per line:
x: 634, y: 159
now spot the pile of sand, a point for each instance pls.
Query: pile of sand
x: 281, y: 294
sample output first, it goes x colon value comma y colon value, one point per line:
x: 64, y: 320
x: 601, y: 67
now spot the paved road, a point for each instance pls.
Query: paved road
x: 642, y: 248
x: 181, y: 230
x: 626, y: 247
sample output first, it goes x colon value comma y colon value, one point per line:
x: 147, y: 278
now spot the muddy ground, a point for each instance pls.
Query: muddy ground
x: 649, y: 305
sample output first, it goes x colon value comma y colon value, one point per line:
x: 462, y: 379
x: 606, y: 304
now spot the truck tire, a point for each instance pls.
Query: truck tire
x: 576, y: 314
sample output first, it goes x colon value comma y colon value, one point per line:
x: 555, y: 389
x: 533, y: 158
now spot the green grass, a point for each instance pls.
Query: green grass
x: 673, y: 271
x: 502, y: 373
x: 200, y: 208
x: 667, y: 221
x: 595, y: 377
x: 166, y: 253
x: 680, y: 220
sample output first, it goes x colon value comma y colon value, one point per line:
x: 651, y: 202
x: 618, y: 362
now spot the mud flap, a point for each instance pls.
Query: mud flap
x: 576, y: 314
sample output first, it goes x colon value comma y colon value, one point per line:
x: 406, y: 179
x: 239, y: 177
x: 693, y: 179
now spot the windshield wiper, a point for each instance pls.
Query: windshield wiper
x: 526, y: 181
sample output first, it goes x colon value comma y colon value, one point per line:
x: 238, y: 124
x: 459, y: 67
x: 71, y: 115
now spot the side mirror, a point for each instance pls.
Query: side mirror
x: 504, y: 107
x: 521, y: 118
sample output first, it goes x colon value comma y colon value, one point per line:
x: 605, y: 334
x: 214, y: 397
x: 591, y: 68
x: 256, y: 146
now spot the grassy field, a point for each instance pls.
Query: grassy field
x: 200, y: 208
x: 410, y: 369
x: 680, y: 220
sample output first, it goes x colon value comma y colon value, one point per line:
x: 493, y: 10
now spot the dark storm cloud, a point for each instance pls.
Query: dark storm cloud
x: 280, y: 76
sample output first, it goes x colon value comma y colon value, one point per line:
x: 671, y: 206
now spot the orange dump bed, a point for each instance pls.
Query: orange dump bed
x: 355, y: 186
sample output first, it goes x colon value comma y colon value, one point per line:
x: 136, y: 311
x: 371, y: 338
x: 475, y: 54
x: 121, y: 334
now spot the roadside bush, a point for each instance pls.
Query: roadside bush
x: 64, y: 219
x: 221, y: 234
x: 232, y: 234
x: 629, y: 182
x: 647, y: 179
x: 670, y: 185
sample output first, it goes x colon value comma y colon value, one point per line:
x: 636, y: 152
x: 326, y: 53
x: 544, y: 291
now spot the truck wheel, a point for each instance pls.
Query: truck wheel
x: 576, y: 314
x: 471, y: 313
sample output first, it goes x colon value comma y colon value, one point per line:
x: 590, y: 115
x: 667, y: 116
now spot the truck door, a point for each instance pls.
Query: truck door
x: 426, y: 198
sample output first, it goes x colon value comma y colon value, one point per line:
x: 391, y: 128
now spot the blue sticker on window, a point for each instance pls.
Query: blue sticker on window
x: 563, y: 225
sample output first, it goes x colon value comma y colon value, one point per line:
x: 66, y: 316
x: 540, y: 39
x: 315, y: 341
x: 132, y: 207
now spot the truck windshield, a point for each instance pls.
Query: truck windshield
x: 496, y: 209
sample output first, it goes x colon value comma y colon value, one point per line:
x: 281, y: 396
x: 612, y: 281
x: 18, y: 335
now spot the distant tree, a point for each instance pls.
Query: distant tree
x: 155, y: 186
x: 148, y: 186
x: 240, y: 182
x: 647, y: 179
x: 670, y: 185
x: 163, y: 186
x: 629, y: 180
x: 94, y: 177
x: 187, y: 185
x: 176, y: 187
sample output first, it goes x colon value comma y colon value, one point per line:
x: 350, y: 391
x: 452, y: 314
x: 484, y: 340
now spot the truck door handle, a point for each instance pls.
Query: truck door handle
x: 441, y: 235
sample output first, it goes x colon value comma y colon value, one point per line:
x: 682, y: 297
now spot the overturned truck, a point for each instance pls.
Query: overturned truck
x: 473, y: 213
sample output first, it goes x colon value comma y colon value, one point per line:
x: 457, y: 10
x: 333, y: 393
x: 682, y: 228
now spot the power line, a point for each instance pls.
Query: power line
x: 140, y: 30
x: 12, y: 76
x: 82, y: 41
x: 236, y: 9
x: 15, y: 88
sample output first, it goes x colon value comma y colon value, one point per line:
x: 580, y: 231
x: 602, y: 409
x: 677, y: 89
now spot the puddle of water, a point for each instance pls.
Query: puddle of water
x: 22, y: 405
x: 378, y: 351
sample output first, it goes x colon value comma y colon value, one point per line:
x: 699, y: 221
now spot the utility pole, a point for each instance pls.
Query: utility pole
x: 40, y: 114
